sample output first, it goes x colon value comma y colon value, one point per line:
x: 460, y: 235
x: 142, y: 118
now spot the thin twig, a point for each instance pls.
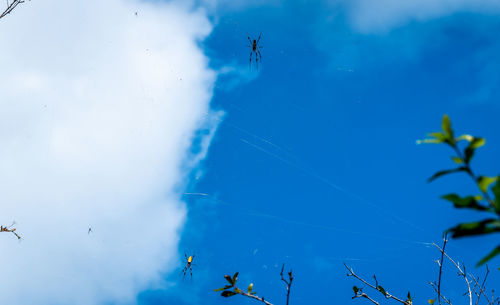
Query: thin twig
x: 482, y: 289
x: 261, y: 299
x: 445, y: 240
x: 433, y: 285
x: 364, y: 295
x: 288, y: 283
x: 10, y: 7
x: 493, y: 299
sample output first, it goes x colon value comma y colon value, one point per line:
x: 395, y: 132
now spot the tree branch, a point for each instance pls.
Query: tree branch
x: 434, y: 286
x: 255, y: 297
x: 445, y: 240
x: 10, y: 7
x: 288, y: 283
x: 364, y: 295
x: 387, y: 294
x: 460, y: 272
x: 482, y: 289
x: 231, y: 289
x: 474, y: 177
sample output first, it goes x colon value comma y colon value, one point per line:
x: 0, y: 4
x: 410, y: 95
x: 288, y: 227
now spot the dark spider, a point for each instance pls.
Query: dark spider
x: 255, y: 49
x: 188, y: 266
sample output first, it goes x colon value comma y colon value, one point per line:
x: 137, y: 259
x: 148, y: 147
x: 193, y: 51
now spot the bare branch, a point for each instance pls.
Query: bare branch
x: 482, y: 289
x: 261, y: 299
x: 288, y: 283
x: 460, y: 272
x: 434, y: 286
x: 364, y: 295
x: 445, y: 240
x: 10, y: 7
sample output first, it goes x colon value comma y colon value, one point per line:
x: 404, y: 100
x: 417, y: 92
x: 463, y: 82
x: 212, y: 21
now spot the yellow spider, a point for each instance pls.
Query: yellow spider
x: 189, y: 263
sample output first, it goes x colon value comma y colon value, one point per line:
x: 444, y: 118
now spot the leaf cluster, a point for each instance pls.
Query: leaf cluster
x: 231, y: 289
x: 488, y: 198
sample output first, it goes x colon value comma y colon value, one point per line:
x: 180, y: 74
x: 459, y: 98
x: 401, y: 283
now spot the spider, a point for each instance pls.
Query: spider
x: 255, y: 49
x: 189, y: 263
x: 8, y: 229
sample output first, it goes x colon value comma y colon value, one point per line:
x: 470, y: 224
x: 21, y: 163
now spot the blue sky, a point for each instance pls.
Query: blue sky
x: 315, y: 161
x: 153, y: 130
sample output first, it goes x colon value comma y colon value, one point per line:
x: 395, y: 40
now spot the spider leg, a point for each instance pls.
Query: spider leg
x: 249, y: 39
x: 191, y: 272
x: 259, y: 38
x: 250, y: 62
x: 260, y: 55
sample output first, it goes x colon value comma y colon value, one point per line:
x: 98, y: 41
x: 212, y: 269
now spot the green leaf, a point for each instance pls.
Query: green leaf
x: 469, y: 202
x: 431, y: 301
x: 486, y: 226
x: 228, y: 293
x: 477, y: 142
x: 355, y: 289
x: 469, y: 151
x: 250, y: 288
x: 492, y: 254
x: 381, y: 289
x: 496, y: 191
x: 229, y: 279
x: 409, y: 298
x: 437, y: 137
x: 484, y: 182
x: 465, y: 137
x: 223, y: 288
x: 457, y: 160
x: 446, y: 126
x: 446, y: 172
x: 235, y: 278
x: 429, y: 141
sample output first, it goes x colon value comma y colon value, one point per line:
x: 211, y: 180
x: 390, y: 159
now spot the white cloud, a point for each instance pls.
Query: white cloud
x: 98, y: 110
x: 217, y: 7
x: 382, y: 15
